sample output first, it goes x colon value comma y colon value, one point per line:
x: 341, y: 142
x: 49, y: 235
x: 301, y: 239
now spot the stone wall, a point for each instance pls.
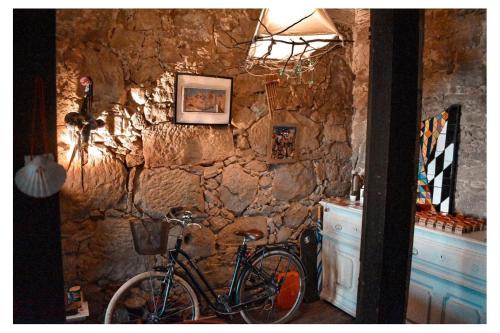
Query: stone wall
x: 454, y: 71
x: 360, y: 67
x: 141, y: 163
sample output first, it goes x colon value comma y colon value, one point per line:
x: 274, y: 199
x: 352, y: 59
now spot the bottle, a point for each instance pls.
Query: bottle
x: 75, y: 296
x: 355, y: 183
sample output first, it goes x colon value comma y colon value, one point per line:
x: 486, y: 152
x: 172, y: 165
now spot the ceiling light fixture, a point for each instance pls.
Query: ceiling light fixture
x: 290, y: 42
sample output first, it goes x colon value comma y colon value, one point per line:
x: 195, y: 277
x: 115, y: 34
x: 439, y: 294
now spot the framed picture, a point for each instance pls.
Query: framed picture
x: 282, y: 147
x: 202, y: 99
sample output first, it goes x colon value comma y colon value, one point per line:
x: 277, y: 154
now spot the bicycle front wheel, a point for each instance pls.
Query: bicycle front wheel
x: 140, y: 299
x: 273, y: 288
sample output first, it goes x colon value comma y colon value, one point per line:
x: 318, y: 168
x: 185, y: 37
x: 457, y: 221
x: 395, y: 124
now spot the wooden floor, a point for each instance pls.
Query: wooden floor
x: 319, y: 312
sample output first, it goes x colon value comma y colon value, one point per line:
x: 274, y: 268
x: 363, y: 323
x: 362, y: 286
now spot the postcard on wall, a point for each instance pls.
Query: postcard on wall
x: 282, y: 146
x: 204, y: 100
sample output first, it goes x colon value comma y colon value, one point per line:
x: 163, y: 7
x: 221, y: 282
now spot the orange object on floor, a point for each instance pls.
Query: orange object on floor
x: 289, y: 290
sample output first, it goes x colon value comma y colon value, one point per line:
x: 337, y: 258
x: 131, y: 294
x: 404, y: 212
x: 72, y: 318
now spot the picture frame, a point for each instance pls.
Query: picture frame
x: 282, y: 144
x: 203, y: 99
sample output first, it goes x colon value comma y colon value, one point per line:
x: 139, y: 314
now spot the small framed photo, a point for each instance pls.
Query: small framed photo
x: 282, y: 147
x: 202, y: 99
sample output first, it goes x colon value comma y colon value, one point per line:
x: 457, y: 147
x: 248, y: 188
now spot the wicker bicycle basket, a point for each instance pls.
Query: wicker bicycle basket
x: 150, y: 236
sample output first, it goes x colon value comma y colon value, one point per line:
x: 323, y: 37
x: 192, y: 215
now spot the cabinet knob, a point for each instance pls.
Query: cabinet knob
x: 414, y: 252
x: 326, y: 209
x: 338, y: 227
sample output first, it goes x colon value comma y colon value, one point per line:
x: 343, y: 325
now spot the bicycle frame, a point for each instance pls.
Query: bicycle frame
x: 243, y: 263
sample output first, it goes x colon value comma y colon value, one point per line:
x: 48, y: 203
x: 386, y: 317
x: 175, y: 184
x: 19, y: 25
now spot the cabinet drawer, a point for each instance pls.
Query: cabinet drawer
x: 450, y: 258
x: 335, y: 221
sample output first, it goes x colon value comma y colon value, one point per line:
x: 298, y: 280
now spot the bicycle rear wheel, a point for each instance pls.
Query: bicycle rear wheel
x: 140, y: 299
x: 274, y: 288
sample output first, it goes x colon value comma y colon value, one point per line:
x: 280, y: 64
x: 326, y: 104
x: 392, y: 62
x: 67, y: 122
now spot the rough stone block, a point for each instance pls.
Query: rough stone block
x: 138, y: 95
x: 293, y: 181
x: 283, y: 234
x: 211, y: 184
x: 104, y: 180
x: 257, y: 166
x: 199, y: 242
x: 218, y: 222
x: 169, y: 144
x: 258, y: 135
x: 160, y: 189
x: 155, y: 112
x: 133, y: 160
x: 243, y: 117
x: 237, y: 189
x: 211, y: 171
x: 138, y: 121
x: 295, y: 215
x: 340, y: 152
x: 242, y: 142
x: 265, y: 181
x: 307, y: 139
x: 112, y: 254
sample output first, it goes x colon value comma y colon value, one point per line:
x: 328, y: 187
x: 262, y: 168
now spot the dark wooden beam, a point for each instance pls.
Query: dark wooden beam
x: 391, y: 165
x: 38, y: 278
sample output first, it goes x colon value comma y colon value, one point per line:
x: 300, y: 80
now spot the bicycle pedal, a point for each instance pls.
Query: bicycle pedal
x: 160, y: 268
x: 268, y: 307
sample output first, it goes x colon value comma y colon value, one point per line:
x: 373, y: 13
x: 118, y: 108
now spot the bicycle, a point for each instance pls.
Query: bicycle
x: 267, y: 286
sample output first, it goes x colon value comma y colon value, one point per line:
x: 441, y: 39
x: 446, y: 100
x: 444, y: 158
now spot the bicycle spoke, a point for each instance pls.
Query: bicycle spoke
x: 176, y: 312
x: 265, y: 305
x: 134, y: 321
x: 271, y: 310
x: 288, y: 267
x: 138, y: 320
x: 286, y: 273
x: 261, y: 262
x: 153, y: 298
x: 279, y: 262
x: 133, y: 318
x: 143, y: 301
x: 277, y: 305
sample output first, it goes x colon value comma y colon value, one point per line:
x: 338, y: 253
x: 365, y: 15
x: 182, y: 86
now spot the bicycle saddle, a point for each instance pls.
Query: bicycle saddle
x: 196, y: 214
x: 252, y: 234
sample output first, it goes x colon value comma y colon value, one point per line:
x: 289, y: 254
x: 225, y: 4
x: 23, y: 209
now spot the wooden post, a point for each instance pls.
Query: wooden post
x: 38, y: 277
x: 391, y: 165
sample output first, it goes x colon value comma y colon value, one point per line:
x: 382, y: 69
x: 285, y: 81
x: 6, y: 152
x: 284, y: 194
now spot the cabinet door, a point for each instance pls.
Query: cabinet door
x: 420, y: 297
x: 340, y: 274
x: 461, y: 311
x: 434, y: 300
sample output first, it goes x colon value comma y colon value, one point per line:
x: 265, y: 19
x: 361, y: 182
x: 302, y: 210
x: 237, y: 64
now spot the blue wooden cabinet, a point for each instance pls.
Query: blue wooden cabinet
x: 448, y: 275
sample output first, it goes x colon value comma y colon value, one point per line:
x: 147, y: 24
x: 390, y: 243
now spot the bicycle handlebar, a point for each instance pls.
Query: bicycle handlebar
x: 186, y: 218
